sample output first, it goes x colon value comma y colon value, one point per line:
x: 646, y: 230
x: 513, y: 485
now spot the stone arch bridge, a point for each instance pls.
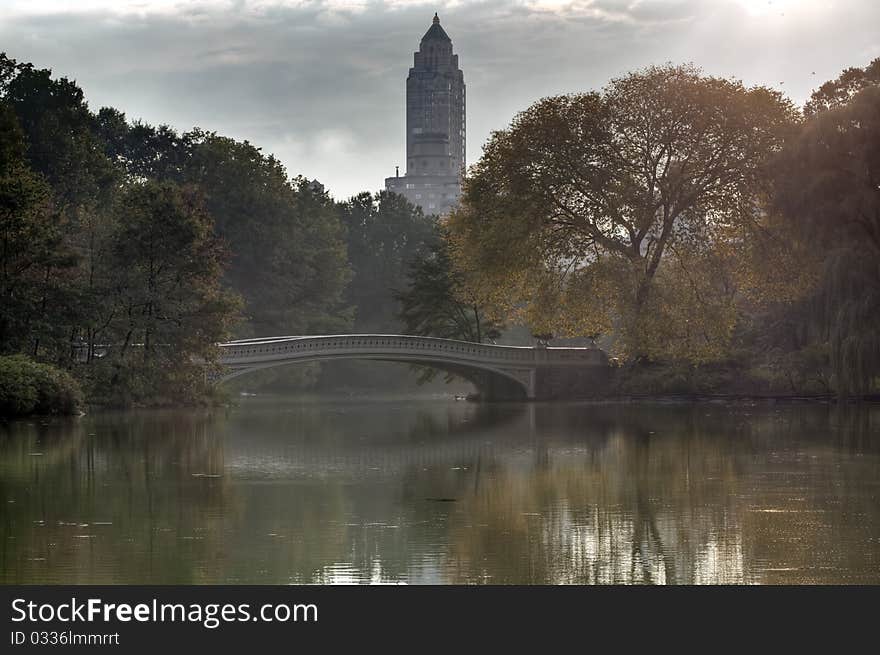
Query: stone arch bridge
x: 498, y: 372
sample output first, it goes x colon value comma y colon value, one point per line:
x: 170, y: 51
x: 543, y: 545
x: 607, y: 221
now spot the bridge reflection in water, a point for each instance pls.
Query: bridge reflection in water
x: 405, y: 491
x: 498, y: 372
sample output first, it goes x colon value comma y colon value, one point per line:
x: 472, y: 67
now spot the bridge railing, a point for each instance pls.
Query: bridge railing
x: 371, y: 342
x: 274, y: 347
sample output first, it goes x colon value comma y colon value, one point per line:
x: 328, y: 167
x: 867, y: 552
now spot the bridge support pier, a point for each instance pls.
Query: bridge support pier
x: 571, y: 383
x: 493, y: 387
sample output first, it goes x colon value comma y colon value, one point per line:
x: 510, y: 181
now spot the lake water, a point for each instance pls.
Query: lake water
x: 438, y: 491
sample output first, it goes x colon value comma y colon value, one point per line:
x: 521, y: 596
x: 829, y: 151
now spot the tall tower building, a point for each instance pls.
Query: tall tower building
x: 435, y: 126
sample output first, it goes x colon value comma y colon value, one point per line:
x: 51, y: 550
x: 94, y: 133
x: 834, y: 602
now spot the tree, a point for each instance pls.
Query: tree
x: 436, y: 303
x: 288, y: 254
x: 838, y: 92
x: 598, y: 212
x: 142, y: 151
x: 81, y: 194
x: 63, y: 147
x: 29, y: 239
x: 828, y: 186
x: 170, y: 308
x: 60, y: 133
x: 385, y: 233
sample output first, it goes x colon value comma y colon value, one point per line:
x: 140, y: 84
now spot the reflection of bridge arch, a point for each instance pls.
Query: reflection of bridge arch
x: 499, y: 372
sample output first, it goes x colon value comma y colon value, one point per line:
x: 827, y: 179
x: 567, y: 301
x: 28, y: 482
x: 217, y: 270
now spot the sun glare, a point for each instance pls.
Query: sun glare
x: 768, y: 7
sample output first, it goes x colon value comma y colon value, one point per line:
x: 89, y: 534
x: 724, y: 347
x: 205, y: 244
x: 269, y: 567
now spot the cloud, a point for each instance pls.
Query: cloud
x: 321, y: 83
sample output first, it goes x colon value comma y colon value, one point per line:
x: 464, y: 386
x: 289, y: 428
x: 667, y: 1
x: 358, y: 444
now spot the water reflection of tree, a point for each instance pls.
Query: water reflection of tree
x: 819, y: 521
x: 123, y: 498
x: 607, y: 517
x: 674, y: 503
x: 577, y: 494
x: 342, y: 471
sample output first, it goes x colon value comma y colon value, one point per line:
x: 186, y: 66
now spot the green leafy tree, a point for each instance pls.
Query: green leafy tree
x: 143, y: 151
x: 288, y: 258
x: 82, y: 194
x: 170, y: 307
x: 30, y: 238
x: 287, y: 254
x: 384, y: 233
x: 828, y: 185
x: 436, y: 303
x: 60, y: 133
x: 63, y: 146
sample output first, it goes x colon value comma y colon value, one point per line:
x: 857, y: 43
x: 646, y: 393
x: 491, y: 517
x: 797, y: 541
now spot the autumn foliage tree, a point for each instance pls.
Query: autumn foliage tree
x: 625, y: 211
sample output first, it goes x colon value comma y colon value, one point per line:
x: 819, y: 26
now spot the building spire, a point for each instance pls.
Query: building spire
x: 435, y: 31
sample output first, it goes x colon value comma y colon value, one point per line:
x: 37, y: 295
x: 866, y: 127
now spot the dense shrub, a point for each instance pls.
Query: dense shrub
x: 803, y: 372
x: 671, y: 378
x: 28, y: 387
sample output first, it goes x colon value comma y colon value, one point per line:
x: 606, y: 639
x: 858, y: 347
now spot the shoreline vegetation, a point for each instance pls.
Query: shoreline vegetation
x: 714, y: 239
x: 31, y: 388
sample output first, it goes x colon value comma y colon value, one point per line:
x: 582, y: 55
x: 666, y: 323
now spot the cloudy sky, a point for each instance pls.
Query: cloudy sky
x: 320, y: 83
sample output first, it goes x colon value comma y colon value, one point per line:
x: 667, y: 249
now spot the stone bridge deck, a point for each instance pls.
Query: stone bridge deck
x: 499, y: 372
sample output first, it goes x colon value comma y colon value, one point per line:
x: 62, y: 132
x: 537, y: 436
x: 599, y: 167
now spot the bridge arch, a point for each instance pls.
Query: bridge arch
x: 498, y: 372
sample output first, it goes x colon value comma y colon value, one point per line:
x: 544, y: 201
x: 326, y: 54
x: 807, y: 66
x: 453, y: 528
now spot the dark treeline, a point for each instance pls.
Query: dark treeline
x: 128, y: 251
